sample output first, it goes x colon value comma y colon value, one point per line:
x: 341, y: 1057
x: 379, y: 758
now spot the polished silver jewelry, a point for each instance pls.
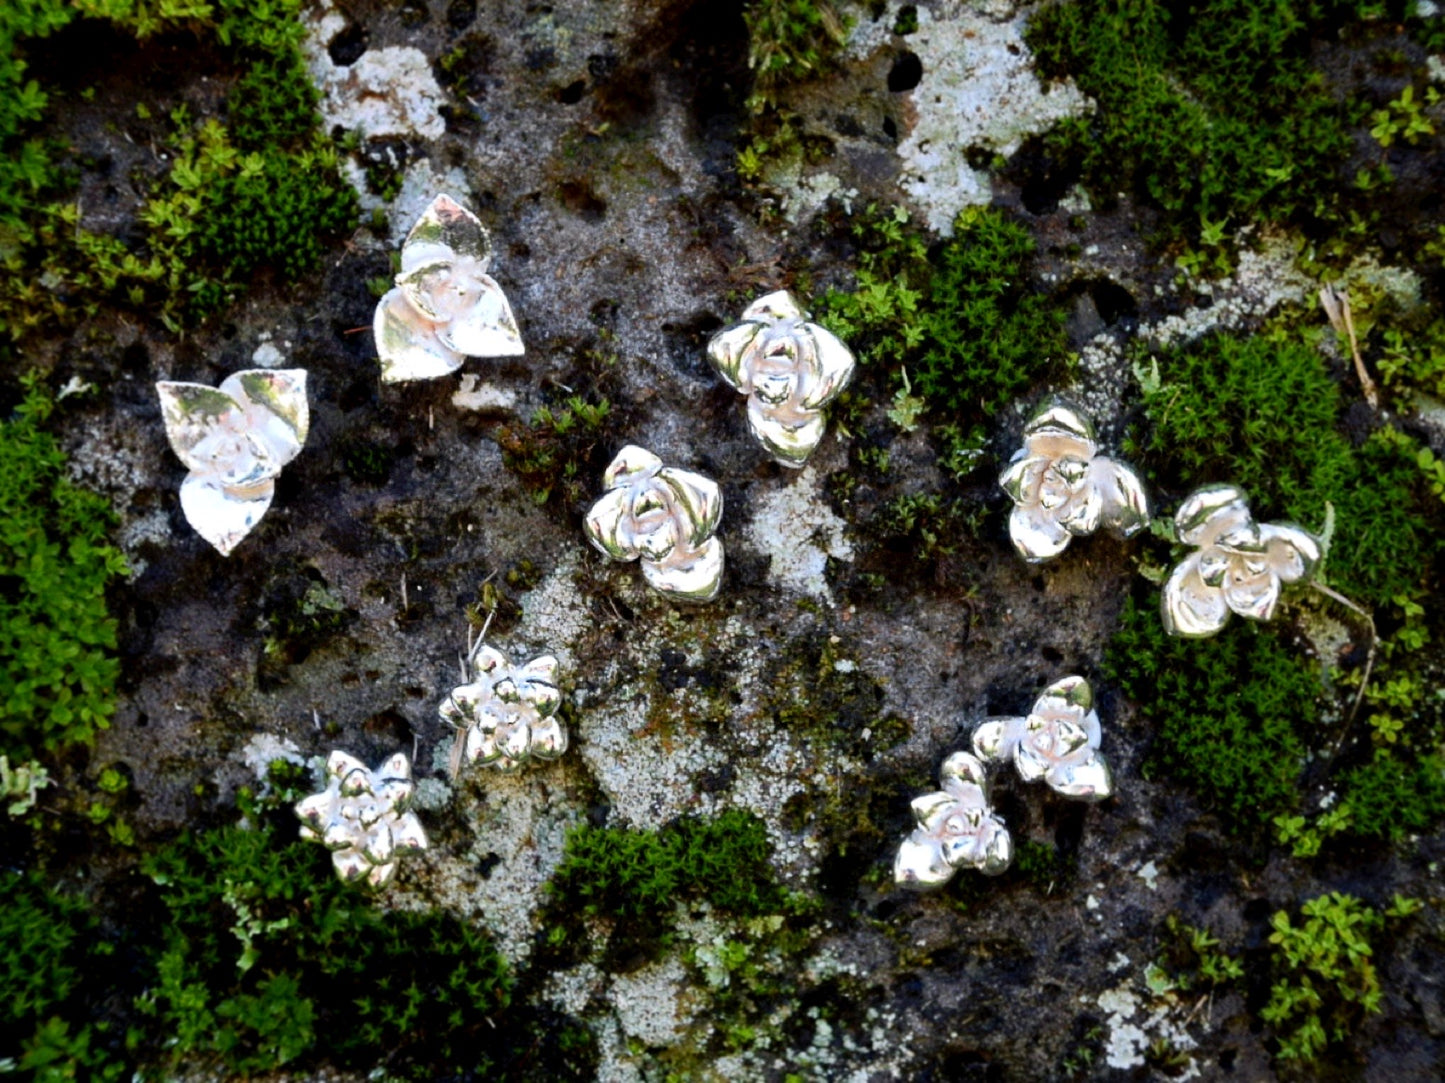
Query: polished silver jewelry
x: 363, y: 817
x: 664, y: 517
x: 234, y: 440
x: 507, y: 715
x: 789, y: 368
x: 1062, y: 487
x: 444, y: 307
x: 1058, y: 742
x: 957, y: 828
x: 1238, y: 564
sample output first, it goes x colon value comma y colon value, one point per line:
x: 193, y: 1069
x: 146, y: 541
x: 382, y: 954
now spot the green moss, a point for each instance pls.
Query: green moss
x: 57, y: 669
x: 265, y: 193
x: 960, y: 322
x: 789, y: 41
x: 638, y: 876
x: 1263, y: 413
x: 1211, y: 112
x: 1390, y: 798
x: 267, y: 959
x: 1228, y: 712
x: 1326, y: 978
x: 557, y: 453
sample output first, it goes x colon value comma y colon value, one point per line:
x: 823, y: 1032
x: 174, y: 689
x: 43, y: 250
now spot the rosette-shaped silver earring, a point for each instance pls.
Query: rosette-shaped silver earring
x: 1062, y: 487
x: 1238, y: 566
x: 957, y: 828
x: 363, y: 817
x: 507, y: 715
x: 1058, y: 742
x: 789, y: 368
x: 664, y: 517
x: 234, y: 440
x: 445, y: 306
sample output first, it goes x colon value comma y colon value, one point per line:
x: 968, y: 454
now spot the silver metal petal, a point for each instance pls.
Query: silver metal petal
x: 630, y: 465
x: 829, y: 371
x: 997, y: 849
x: 606, y: 522
x: 446, y: 226
x: 549, y: 739
x: 1190, y: 607
x: 408, y: 835
x: 1057, y: 418
x: 930, y: 810
x: 1090, y: 780
x: 778, y: 305
x: 1020, y: 479
x: 1294, y: 553
x: 790, y: 442
x: 699, y: 500
x: 193, y: 413
x: 728, y: 351
x: 697, y: 580
x: 1036, y: 534
x: 1082, y: 514
x: 223, y: 516
x: 407, y: 343
x: 920, y: 864
x: 994, y: 739
x: 276, y: 409
x: 1207, y: 512
x: 1251, y: 594
x: 1030, y: 765
x: 1126, y: 505
x: 486, y: 327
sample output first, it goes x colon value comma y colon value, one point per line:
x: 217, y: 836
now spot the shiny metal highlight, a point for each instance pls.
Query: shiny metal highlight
x: 957, y: 828
x: 1063, y: 488
x: 445, y: 307
x: 1238, y: 566
x: 664, y: 517
x: 789, y: 369
x: 507, y: 716
x: 234, y: 439
x: 363, y: 817
x: 1058, y: 742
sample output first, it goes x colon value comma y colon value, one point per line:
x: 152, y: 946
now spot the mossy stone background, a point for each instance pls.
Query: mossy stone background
x: 1130, y: 199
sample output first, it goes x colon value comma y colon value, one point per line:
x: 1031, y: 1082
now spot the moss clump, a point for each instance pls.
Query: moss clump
x: 57, y: 672
x: 50, y: 959
x: 557, y: 452
x: 639, y: 876
x: 1228, y: 712
x: 264, y: 193
x: 959, y: 320
x: 264, y: 958
x: 1389, y: 798
x: 1264, y: 413
x: 1211, y: 112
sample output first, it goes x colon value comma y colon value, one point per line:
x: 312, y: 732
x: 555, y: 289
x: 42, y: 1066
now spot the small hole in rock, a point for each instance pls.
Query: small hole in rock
x: 906, y: 73
x: 346, y: 48
x: 1113, y: 301
x: 461, y: 13
x: 571, y: 94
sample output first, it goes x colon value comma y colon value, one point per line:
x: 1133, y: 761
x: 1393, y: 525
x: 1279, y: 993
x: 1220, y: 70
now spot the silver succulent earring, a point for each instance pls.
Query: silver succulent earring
x: 234, y: 439
x: 664, y: 517
x: 956, y: 828
x: 364, y: 818
x: 1237, y: 567
x: 789, y: 368
x: 445, y: 307
x: 1058, y: 742
x: 1062, y: 487
x: 507, y: 716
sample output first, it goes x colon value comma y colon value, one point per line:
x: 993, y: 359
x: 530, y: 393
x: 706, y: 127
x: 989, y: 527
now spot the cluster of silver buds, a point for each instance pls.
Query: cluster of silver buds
x: 663, y: 517
x: 507, y: 716
x: 957, y: 827
x: 1238, y: 565
x: 789, y: 368
x: 444, y: 307
x: 1063, y: 488
x: 234, y: 440
x: 364, y: 818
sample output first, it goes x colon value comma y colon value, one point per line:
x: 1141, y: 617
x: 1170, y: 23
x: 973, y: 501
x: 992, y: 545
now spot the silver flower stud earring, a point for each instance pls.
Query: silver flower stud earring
x: 789, y: 368
x: 1238, y: 564
x: 664, y: 517
x: 1062, y: 487
x: 234, y: 439
x: 445, y: 307
x: 956, y: 829
x: 507, y: 716
x: 363, y: 817
x: 1058, y: 742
